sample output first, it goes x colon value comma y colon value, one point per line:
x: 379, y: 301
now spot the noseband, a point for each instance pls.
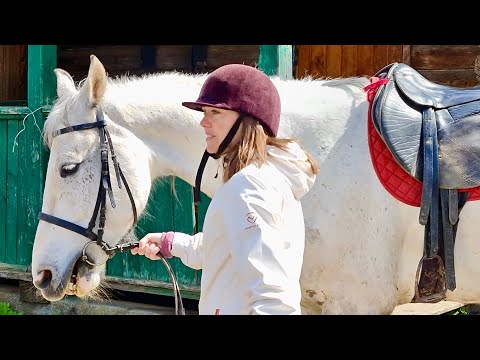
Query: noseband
x: 100, y: 206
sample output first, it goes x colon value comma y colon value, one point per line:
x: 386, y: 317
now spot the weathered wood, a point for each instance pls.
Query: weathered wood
x: 12, y: 200
x: 318, y: 61
x: 152, y: 287
x: 22, y: 273
x: 268, y: 59
x: 3, y: 188
x: 285, y: 62
x: 32, y: 155
x: 394, y: 54
x: 119, y: 59
x: 476, y: 68
x: 219, y: 55
x: 442, y: 57
x: 6, y: 112
x: 380, y: 56
x: 349, y: 60
x: 174, y: 57
x: 333, y: 66
x: 13, y: 80
x: 15, y: 272
x: 406, y: 54
x: 365, y: 60
x: 333, y: 61
x: 199, y: 59
x: 456, y: 78
x: 303, y: 60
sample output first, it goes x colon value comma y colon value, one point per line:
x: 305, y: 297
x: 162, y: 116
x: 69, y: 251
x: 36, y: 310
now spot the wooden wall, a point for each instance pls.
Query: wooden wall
x: 451, y: 65
x: 446, y: 64
x: 140, y: 59
x: 344, y: 60
x: 13, y: 74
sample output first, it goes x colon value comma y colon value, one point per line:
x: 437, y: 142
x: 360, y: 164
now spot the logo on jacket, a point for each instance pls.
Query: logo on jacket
x: 252, y: 219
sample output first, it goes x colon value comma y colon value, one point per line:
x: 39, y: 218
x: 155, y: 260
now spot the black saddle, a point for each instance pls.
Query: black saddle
x: 433, y: 132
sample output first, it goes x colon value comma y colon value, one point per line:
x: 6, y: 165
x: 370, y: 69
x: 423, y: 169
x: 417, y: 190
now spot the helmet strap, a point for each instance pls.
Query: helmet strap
x: 228, y: 138
x: 203, y: 162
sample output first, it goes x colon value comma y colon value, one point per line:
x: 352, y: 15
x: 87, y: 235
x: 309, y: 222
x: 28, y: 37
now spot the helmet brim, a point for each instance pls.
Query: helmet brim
x: 198, y: 105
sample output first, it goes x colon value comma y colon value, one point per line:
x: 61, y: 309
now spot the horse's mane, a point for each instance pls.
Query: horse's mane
x: 169, y: 89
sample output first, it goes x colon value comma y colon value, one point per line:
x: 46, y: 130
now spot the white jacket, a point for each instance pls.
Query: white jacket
x: 251, y: 248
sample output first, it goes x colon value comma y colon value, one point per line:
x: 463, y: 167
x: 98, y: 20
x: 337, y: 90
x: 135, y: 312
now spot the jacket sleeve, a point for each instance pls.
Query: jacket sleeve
x: 253, y: 228
x: 188, y: 248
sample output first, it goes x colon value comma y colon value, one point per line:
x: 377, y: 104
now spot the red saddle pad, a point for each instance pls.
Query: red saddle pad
x: 394, y: 179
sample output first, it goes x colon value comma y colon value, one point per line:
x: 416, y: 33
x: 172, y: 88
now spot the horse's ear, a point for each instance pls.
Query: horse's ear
x: 96, y: 81
x: 65, y: 84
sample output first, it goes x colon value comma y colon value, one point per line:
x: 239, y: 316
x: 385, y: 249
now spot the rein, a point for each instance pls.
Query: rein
x: 99, y: 212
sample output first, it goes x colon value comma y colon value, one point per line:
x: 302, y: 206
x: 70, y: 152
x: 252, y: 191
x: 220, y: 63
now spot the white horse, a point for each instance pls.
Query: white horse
x: 362, y: 245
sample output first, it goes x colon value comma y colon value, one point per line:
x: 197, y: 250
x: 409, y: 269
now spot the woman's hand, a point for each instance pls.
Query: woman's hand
x: 149, y: 246
x: 154, y: 243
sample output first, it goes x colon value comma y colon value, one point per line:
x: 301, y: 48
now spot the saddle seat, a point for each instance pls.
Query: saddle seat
x: 398, y: 115
x: 433, y: 133
x: 425, y: 92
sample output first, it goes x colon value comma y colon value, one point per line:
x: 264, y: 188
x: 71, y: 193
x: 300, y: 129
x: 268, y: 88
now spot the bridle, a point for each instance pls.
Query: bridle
x: 105, y: 187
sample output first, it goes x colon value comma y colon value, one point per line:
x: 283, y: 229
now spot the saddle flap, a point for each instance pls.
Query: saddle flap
x: 399, y: 123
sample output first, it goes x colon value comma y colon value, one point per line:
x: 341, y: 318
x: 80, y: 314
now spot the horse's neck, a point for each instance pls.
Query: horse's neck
x: 174, y: 139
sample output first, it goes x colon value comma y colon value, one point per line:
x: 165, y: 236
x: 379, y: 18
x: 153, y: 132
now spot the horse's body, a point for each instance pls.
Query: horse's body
x: 362, y: 245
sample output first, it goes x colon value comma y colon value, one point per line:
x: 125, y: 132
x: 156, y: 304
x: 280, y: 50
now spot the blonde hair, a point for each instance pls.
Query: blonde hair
x: 253, y: 147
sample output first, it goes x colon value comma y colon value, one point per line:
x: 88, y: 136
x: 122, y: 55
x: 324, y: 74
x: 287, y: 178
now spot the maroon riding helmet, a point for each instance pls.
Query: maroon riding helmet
x: 244, y: 89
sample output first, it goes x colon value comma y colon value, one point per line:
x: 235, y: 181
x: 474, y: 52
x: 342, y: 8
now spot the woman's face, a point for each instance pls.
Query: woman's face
x: 217, y: 123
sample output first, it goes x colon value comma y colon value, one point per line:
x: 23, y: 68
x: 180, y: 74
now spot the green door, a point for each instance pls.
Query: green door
x: 23, y: 164
x: 23, y: 161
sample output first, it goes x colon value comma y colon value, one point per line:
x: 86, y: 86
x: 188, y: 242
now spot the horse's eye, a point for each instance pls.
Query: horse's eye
x: 68, y: 170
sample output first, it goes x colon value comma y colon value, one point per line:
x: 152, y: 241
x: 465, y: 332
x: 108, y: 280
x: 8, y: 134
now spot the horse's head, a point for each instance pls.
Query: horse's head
x: 75, y: 181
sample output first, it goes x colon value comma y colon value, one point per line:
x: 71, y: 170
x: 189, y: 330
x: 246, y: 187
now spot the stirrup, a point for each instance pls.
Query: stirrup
x: 434, y: 284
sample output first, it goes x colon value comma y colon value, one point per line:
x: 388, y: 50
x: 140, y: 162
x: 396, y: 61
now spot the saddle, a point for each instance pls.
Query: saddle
x: 432, y: 131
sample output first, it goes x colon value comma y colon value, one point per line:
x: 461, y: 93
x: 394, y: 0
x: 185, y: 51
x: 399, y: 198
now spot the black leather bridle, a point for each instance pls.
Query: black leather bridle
x: 105, y: 186
x: 100, y: 206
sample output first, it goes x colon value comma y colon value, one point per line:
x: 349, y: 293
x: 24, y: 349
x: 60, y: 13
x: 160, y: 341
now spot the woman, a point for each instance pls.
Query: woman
x: 251, y: 247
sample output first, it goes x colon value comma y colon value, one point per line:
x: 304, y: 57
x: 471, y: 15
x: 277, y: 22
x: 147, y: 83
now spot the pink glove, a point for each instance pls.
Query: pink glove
x: 166, y: 244
x: 153, y: 241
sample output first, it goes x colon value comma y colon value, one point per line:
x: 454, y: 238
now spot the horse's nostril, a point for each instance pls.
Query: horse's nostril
x: 43, y: 280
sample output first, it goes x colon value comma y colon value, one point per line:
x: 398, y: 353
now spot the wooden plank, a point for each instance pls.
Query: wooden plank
x: 12, y: 199
x: 438, y: 308
x: 174, y: 57
x: 380, y: 56
x: 23, y: 273
x: 442, y: 57
x: 162, y: 208
x: 24, y: 241
x: 41, y: 91
x: 6, y: 112
x: 219, y: 55
x: 3, y: 188
x: 184, y: 222
x: 318, y: 67
x: 349, y: 60
x: 406, y: 54
x: 118, y: 59
x: 268, y: 59
x: 394, y: 54
x: 333, y: 61
x: 456, y: 78
x: 285, y: 62
x: 365, y: 60
x: 303, y: 60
